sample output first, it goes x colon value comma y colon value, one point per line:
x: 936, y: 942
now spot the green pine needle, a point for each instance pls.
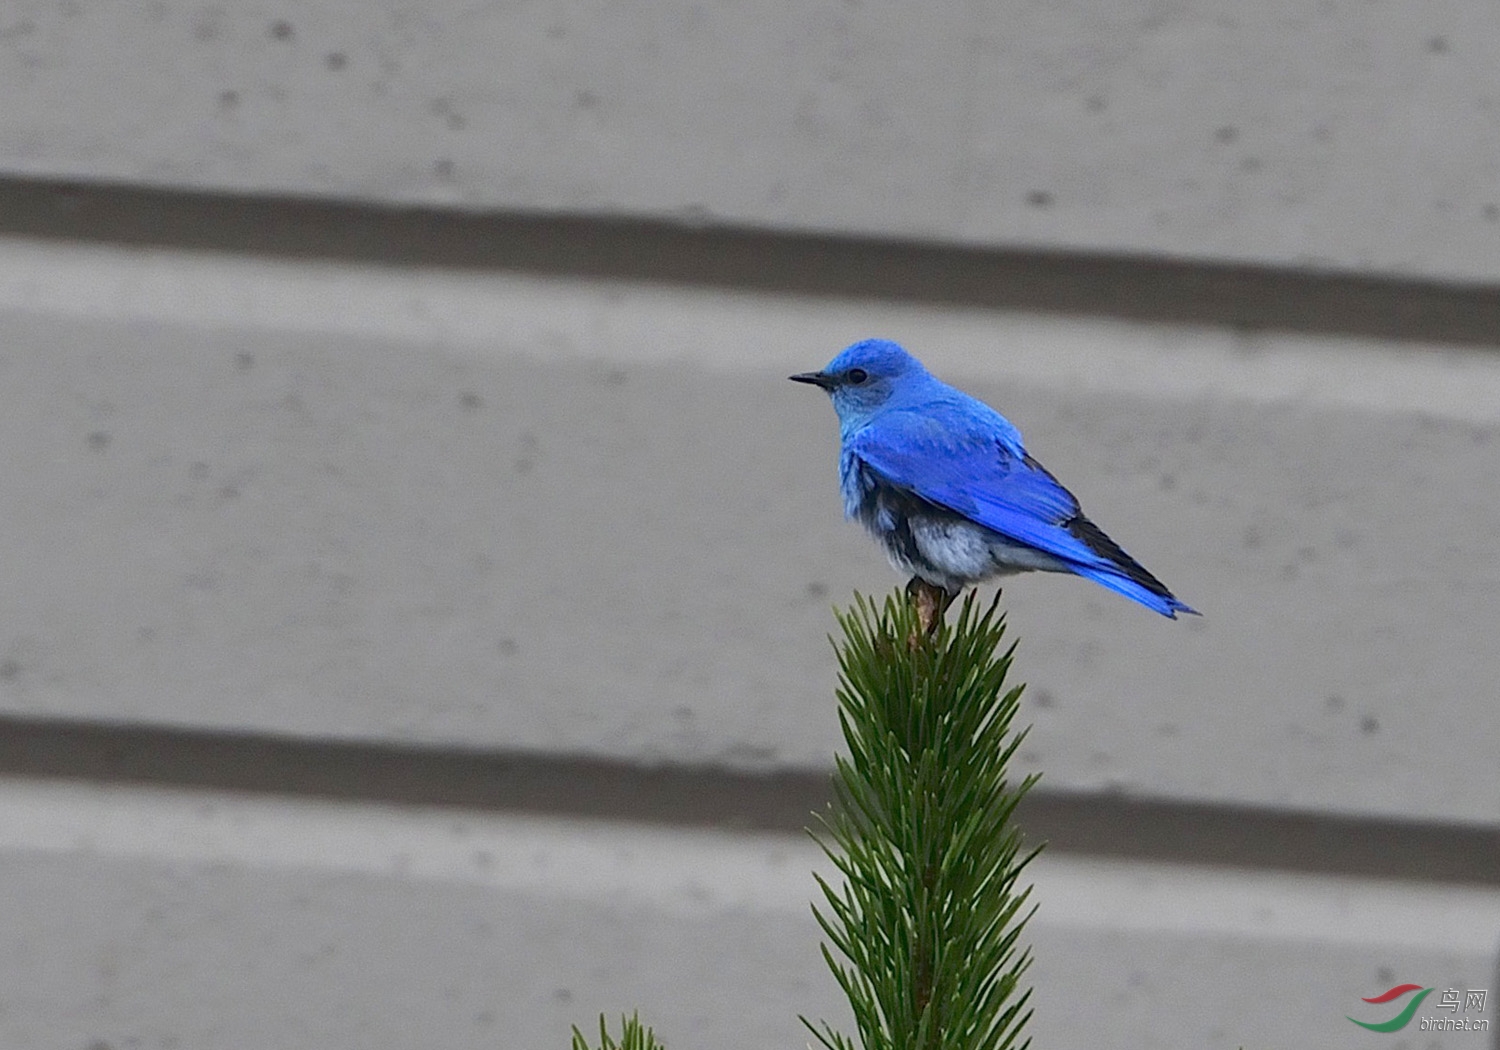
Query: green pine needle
x: 924, y: 930
x: 632, y: 1036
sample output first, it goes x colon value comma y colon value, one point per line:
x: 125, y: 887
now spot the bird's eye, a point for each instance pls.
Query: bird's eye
x: 858, y: 376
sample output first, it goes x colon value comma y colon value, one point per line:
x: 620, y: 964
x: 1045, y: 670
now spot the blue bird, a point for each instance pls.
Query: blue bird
x: 944, y: 483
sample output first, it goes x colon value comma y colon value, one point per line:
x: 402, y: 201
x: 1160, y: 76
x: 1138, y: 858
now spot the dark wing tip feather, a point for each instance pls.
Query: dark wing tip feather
x: 1093, y: 537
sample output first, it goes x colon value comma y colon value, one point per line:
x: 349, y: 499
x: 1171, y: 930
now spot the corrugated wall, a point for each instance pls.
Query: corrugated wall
x: 417, y: 569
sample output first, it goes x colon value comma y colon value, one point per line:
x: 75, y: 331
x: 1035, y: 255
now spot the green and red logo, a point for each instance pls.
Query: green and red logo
x: 1402, y: 1019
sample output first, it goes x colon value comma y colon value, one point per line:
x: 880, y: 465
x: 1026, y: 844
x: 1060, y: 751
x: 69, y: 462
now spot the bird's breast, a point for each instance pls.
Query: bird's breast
x: 857, y: 485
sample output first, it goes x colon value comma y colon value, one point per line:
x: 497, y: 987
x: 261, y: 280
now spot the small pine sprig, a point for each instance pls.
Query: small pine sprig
x: 926, y: 923
x: 632, y: 1036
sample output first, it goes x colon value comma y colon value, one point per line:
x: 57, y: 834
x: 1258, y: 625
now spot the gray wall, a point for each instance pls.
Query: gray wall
x: 418, y: 569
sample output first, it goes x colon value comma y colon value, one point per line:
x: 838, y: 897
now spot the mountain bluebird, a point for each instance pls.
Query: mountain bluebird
x: 944, y: 483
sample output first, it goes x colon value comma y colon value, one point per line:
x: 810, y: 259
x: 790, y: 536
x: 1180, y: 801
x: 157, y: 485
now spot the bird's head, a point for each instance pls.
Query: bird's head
x: 865, y: 378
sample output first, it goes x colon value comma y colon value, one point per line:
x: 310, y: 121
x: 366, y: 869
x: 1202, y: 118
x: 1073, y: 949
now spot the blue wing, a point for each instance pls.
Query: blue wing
x: 967, y: 458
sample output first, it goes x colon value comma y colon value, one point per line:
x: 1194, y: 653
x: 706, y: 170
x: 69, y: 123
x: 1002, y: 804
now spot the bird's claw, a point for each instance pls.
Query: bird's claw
x: 931, y: 602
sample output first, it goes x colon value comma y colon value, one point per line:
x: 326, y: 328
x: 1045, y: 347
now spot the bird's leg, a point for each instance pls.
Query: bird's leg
x: 931, y: 601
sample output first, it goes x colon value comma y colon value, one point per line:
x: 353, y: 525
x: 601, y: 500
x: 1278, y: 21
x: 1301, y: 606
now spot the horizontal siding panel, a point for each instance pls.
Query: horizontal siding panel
x: 591, y: 518
x: 159, y: 918
x: 1349, y: 135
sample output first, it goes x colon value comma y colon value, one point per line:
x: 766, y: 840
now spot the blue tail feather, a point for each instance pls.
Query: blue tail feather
x: 1160, y: 602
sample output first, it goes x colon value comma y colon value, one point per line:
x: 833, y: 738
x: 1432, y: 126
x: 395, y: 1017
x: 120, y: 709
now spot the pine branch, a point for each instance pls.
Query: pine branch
x: 633, y: 1036
x: 924, y: 930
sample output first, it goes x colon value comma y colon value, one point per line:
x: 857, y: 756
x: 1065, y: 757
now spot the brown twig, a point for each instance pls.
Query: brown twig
x: 932, y: 604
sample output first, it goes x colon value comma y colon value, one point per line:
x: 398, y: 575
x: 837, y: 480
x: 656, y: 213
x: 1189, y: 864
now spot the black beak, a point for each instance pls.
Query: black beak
x: 815, y: 378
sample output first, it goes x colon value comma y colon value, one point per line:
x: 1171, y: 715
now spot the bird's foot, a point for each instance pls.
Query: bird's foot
x: 931, y: 602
